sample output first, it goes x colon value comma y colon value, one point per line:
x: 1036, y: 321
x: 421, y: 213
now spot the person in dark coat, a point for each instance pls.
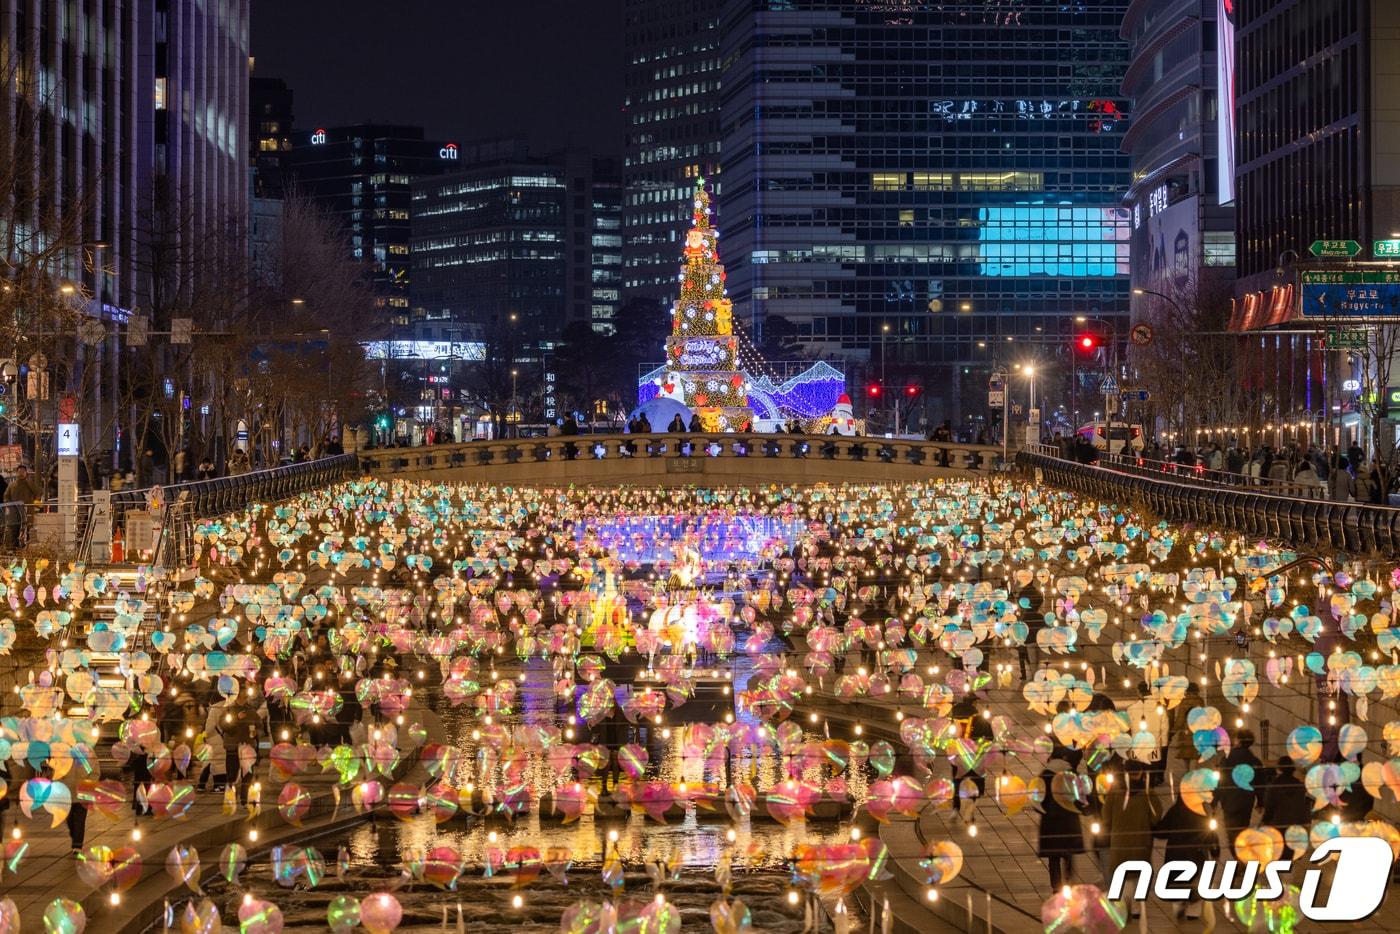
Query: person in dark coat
x: 1286, y: 801
x: 1189, y: 839
x: 1237, y: 804
x: 1061, y: 836
x: 1129, y: 811
x: 1030, y: 602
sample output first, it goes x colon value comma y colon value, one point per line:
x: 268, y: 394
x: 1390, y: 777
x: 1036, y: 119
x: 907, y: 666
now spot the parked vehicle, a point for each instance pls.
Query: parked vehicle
x: 1111, y: 437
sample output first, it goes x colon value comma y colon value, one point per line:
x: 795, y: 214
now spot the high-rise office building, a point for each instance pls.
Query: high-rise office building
x: 928, y: 185
x: 361, y: 175
x: 126, y: 96
x: 270, y: 119
x: 599, y: 278
x: 515, y: 247
x: 1317, y: 154
x: 1183, y: 225
x: 673, y: 133
x: 113, y: 113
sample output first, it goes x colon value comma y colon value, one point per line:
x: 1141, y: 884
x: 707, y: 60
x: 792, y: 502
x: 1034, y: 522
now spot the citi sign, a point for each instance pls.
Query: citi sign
x: 1358, y: 884
x: 318, y: 138
x: 448, y: 152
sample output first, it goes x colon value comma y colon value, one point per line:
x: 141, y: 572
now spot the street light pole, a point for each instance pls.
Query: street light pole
x: 885, y: 330
x: 513, y: 415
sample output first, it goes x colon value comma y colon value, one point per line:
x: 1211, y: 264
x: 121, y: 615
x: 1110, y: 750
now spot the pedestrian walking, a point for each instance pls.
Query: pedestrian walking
x: 1236, y: 802
x: 1189, y: 839
x: 1061, y: 836
x: 1130, y: 810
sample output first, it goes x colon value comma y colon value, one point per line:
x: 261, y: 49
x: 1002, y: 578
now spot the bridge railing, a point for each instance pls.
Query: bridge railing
x: 226, y: 494
x: 561, y: 448
x: 1356, y: 528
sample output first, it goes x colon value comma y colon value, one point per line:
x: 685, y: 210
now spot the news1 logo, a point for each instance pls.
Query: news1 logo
x: 1358, y: 883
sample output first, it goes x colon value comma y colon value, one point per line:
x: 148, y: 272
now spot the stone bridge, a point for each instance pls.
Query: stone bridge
x: 683, y: 459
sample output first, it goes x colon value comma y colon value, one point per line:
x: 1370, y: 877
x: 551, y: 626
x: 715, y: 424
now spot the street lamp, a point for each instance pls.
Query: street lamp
x: 515, y: 420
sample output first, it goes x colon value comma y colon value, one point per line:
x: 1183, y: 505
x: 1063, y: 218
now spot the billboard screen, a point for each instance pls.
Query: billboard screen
x: 1225, y: 99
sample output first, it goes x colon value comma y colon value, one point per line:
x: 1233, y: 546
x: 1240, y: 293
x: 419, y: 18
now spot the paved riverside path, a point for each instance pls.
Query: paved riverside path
x: 48, y: 869
x: 1001, y: 859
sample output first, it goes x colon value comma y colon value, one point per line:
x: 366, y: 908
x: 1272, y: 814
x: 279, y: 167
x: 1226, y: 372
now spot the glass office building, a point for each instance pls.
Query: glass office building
x: 672, y: 105
x: 932, y: 186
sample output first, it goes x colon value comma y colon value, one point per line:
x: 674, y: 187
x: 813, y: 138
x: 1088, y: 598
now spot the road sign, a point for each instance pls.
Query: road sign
x: 181, y: 330
x: 1346, y: 339
x: 1351, y: 293
x: 1141, y: 335
x: 1110, y: 386
x: 1135, y: 395
x: 1335, y: 248
x: 1386, y: 247
x: 996, y: 398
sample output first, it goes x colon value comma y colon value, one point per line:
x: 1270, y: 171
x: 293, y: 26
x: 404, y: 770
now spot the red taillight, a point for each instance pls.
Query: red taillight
x: 1101, y: 432
x: 1137, y: 432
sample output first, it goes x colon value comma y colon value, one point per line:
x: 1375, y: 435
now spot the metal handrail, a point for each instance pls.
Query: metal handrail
x: 1353, y: 528
x: 1199, y: 473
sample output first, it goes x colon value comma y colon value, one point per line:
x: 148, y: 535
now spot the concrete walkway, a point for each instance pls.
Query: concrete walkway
x: 48, y: 868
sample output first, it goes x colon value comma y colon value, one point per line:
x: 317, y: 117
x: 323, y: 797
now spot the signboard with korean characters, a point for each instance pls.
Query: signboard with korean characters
x: 1350, y: 293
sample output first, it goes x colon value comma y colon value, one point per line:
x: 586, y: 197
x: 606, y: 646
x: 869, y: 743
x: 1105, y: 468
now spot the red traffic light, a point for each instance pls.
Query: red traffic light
x: 874, y: 389
x: 911, y: 390
x: 1088, y: 342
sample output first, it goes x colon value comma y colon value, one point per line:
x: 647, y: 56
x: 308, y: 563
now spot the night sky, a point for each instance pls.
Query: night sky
x: 548, y: 70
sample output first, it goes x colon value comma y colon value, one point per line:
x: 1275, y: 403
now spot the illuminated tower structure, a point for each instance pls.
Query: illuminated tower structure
x: 702, y: 351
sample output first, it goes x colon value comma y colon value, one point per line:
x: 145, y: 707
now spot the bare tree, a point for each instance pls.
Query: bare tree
x: 1192, y: 367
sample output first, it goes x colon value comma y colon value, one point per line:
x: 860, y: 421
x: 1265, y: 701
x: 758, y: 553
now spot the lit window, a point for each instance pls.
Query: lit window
x: 160, y: 94
x: 906, y: 218
x: 1219, y: 248
x: 933, y: 181
x: 887, y: 181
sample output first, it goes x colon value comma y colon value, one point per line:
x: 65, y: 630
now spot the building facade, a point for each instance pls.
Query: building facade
x: 124, y: 96
x: 924, y: 185
x: 270, y: 123
x: 1316, y: 143
x: 1317, y: 147
x: 361, y: 175
x: 514, y: 248
x: 673, y: 133
x: 1183, y: 221
x: 123, y: 124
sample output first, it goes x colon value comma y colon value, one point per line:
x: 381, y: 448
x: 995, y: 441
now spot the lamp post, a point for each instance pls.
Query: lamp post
x: 514, y: 418
x: 884, y: 331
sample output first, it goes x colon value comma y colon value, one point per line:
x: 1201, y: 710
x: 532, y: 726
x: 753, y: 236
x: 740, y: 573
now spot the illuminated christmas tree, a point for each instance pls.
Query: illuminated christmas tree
x: 702, y: 351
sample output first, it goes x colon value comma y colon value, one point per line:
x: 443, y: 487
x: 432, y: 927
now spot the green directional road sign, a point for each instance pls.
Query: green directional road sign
x: 1335, y: 248
x: 1386, y: 248
x: 1352, y: 339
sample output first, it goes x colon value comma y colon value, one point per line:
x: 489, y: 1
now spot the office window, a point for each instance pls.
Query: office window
x: 1219, y: 248
x: 933, y: 181
x: 887, y: 181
